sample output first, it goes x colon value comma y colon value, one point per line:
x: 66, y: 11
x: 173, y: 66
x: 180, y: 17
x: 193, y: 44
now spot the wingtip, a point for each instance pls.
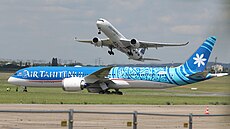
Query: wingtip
x: 158, y: 60
x: 187, y: 43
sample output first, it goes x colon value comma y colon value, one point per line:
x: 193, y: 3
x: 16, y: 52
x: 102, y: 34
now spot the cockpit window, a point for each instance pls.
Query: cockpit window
x: 15, y: 74
x: 100, y: 20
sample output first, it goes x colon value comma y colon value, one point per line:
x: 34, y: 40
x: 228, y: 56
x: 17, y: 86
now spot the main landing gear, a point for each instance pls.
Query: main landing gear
x: 130, y: 53
x: 111, y: 51
x: 117, y: 92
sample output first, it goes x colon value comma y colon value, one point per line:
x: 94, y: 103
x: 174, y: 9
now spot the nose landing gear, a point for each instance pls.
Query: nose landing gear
x: 111, y: 51
x: 99, y: 30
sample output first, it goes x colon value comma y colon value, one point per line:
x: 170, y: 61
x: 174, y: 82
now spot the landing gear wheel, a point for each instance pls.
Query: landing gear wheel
x: 102, y: 92
x: 107, y: 92
x: 130, y: 53
x: 111, y: 52
x: 25, y: 89
x: 117, y: 92
x: 99, y: 32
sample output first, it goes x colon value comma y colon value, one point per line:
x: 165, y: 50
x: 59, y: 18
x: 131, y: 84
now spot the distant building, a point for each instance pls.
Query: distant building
x: 54, y: 62
x: 218, y: 68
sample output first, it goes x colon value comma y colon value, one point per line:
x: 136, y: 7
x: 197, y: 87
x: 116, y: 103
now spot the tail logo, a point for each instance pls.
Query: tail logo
x: 199, y: 60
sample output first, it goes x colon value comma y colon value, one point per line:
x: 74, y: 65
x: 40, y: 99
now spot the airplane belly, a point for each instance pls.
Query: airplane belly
x: 35, y: 83
x: 117, y: 44
x: 139, y: 84
x: 45, y: 83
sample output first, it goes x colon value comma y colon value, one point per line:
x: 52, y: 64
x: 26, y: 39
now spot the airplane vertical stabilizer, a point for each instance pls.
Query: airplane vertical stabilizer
x: 142, y: 51
x: 197, y: 62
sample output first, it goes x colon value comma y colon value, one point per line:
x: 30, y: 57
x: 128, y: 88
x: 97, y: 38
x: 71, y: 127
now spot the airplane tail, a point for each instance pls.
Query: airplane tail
x: 142, y: 51
x: 197, y: 62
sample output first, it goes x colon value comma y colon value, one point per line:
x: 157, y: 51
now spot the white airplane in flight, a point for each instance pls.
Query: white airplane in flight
x: 133, y: 48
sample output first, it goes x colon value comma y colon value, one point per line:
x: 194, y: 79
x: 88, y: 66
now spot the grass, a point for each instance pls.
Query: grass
x: 172, y: 96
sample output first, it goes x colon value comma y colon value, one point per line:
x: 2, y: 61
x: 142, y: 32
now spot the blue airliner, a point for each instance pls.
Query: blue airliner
x: 104, y: 79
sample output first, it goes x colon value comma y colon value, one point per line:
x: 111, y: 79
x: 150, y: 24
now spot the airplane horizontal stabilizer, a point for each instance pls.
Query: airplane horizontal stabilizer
x: 219, y: 74
x: 151, y: 59
x: 198, y: 76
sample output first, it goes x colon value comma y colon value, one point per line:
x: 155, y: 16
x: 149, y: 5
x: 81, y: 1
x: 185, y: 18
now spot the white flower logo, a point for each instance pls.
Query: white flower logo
x: 199, y: 59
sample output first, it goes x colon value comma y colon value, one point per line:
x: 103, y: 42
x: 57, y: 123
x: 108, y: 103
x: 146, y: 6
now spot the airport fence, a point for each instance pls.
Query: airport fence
x: 131, y: 123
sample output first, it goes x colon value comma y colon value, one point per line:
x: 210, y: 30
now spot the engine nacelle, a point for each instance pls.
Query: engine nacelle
x: 73, y: 84
x: 134, y: 43
x: 97, y: 42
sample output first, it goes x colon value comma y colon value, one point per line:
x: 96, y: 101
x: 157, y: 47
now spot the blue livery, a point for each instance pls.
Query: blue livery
x: 102, y: 79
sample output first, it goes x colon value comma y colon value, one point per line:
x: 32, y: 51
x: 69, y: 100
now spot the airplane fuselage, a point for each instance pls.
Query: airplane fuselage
x: 102, y: 79
x: 123, y: 77
x: 115, y: 36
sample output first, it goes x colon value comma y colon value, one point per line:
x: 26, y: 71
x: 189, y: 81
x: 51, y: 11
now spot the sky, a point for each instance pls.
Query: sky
x: 43, y: 29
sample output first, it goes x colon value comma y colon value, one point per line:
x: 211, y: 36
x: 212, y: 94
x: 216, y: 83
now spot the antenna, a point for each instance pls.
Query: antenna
x: 215, y: 65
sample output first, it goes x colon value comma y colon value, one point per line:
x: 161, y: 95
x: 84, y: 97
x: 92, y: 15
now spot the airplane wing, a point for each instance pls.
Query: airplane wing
x: 105, y: 42
x: 98, y: 75
x: 147, y: 44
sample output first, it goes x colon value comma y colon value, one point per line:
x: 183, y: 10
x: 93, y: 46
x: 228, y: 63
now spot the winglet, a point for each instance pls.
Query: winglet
x: 186, y: 43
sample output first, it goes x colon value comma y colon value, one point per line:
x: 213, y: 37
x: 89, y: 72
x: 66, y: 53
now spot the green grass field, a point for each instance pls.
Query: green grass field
x: 215, y: 91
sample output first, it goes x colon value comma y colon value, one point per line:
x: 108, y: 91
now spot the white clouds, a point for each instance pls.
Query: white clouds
x: 204, y: 14
x: 38, y: 23
x: 126, y: 4
x: 166, y: 19
x: 188, y: 29
x: 54, y: 9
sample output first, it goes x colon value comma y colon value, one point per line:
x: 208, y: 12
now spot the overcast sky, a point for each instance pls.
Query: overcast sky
x: 43, y: 29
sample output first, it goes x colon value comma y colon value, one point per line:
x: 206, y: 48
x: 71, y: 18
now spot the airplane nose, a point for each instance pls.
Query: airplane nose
x: 98, y: 22
x: 11, y: 80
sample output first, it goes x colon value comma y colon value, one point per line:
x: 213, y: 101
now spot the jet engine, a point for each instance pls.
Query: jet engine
x: 134, y: 43
x: 73, y: 84
x: 97, y: 42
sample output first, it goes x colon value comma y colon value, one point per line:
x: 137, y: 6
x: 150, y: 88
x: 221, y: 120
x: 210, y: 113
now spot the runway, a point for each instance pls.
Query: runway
x: 108, y: 121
